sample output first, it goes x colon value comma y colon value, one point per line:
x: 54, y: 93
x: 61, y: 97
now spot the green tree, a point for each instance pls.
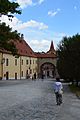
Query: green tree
x: 68, y: 63
x: 8, y: 8
x: 6, y: 34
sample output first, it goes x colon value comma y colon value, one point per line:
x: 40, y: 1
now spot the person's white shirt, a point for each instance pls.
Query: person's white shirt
x: 58, y: 86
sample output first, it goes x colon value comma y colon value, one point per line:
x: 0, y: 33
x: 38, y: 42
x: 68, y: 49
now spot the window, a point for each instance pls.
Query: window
x: 22, y: 73
x: 27, y: 62
x: 27, y: 72
x: 22, y: 62
x: 15, y: 61
x: 7, y: 62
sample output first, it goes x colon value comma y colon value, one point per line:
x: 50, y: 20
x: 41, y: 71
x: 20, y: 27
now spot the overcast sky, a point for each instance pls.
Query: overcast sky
x: 42, y: 21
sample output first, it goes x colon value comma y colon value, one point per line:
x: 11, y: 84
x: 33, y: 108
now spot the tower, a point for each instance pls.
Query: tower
x: 51, y: 50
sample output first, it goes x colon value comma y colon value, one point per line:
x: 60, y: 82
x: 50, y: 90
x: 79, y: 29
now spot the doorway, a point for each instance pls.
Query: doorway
x: 7, y: 75
x: 47, y: 69
x: 15, y: 76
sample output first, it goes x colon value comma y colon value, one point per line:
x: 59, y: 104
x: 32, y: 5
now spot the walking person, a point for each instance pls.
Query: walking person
x: 58, y: 91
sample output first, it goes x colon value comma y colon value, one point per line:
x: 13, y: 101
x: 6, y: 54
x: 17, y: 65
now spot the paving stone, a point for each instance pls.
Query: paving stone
x: 35, y: 100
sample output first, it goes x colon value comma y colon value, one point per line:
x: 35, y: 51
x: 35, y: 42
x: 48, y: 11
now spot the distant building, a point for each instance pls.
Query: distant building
x: 28, y: 62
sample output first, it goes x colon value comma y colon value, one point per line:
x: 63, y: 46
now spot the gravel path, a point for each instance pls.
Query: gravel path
x: 35, y: 100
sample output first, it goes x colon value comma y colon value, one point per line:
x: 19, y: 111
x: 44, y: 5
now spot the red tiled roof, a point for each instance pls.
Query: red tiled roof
x: 24, y: 49
x: 50, y: 54
x: 45, y: 55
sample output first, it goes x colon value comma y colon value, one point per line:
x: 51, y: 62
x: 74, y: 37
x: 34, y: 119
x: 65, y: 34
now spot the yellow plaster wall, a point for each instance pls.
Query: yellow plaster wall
x: 25, y: 67
x: 11, y: 68
x: 34, y: 66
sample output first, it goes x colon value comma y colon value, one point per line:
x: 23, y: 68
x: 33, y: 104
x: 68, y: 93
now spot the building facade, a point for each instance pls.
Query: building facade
x: 28, y: 64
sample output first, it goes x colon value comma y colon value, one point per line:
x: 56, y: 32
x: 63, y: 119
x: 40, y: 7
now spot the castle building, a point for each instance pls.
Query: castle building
x: 28, y: 63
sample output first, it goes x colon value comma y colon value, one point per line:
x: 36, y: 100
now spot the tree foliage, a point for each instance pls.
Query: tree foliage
x: 7, y: 7
x: 6, y: 34
x: 68, y: 63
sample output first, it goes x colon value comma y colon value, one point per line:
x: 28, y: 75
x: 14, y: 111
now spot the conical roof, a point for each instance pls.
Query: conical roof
x: 52, y: 46
x: 51, y: 50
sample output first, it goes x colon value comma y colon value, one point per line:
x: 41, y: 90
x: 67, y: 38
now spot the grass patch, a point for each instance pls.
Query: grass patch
x: 75, y: 90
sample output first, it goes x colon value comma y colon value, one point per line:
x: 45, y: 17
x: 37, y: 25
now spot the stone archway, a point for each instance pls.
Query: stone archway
x: 47, y: 70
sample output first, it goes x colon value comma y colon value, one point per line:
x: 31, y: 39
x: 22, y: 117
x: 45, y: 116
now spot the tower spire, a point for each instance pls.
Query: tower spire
x: 52, y: 46
x: 51, y: 50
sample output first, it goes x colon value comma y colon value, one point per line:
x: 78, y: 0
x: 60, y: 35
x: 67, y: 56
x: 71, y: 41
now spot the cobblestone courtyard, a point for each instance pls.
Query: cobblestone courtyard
x: 35, y: 100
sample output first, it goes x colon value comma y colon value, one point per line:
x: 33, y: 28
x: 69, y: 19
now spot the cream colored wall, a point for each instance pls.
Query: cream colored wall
x: 34, y: 66
x: 25, y: 67
x: 11, y: 68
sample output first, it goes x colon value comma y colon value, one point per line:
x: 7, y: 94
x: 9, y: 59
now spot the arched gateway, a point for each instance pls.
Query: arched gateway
x: 47, y: 63
x: 47, y: 70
